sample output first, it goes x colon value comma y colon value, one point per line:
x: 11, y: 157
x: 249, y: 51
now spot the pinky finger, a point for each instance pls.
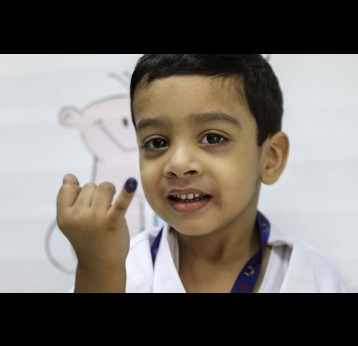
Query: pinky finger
x: 68, y: 192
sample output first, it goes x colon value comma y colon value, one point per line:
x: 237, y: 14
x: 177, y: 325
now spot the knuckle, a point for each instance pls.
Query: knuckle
x: 65, y: 189
x: 120, y: 205
x: 81, y: 221
x: 69, y: 187
x: 89, y: 186
x: 89, y: 220
x: 107, y: 186
x: 72, y: 219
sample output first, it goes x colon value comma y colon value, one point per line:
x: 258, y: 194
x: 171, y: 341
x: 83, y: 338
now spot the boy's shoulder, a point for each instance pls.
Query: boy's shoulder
x: 309, y: 270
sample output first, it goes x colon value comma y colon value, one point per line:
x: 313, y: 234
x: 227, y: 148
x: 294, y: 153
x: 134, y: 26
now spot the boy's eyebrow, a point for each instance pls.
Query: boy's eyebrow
x: 213, y: 116
x: 194, y: 119
x: 160, y: 121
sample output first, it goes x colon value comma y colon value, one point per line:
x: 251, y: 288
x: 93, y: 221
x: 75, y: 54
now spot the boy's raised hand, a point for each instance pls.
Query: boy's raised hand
x: 97, y: 230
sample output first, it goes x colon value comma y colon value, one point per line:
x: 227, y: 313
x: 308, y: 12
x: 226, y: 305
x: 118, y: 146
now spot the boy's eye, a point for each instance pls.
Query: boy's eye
x: 156, y: 143
x: 213, y: 138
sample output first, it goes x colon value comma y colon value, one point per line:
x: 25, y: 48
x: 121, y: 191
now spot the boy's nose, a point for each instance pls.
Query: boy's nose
x: 182, y: 163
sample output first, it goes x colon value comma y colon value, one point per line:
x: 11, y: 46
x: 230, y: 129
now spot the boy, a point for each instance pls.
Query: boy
x: 209, y: 133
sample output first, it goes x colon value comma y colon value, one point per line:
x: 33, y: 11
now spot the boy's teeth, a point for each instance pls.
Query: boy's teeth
x: 190, y: 196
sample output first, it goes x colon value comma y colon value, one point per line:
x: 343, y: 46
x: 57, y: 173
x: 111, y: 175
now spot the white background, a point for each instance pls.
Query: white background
x: 316, y: 198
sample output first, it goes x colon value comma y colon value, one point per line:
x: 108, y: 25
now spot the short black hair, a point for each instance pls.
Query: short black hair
x: 261, y: 87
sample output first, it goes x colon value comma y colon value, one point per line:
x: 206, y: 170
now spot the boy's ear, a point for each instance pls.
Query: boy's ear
x: 274, y: 157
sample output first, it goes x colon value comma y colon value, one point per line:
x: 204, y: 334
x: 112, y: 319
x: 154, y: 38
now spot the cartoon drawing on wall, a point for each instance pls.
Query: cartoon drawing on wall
x: 106, y: 128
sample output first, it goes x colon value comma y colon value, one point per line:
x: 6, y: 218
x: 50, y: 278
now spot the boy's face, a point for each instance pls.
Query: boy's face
x: 199, y: 159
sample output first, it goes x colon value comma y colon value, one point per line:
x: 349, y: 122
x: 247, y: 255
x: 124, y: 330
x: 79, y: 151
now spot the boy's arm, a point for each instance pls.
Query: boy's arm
x: 109, y: 280
x: 98, y: 232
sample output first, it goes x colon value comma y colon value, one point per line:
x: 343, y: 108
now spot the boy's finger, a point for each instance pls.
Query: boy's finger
x: 124, y: 199
x: 85, y: 197
x: 103, y: 196
x: 70, y: 179
x: 68, y: 192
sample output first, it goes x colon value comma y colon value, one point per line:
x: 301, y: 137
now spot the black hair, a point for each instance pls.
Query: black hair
x: 260, y: 84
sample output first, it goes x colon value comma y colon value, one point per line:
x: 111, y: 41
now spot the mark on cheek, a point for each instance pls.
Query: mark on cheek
x: 217, y: 200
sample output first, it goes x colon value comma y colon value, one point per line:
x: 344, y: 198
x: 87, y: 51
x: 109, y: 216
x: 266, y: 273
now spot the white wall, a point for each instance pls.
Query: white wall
x: 316, y: 198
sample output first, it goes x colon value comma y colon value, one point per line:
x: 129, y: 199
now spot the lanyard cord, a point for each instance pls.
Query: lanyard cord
x: 248, y: 276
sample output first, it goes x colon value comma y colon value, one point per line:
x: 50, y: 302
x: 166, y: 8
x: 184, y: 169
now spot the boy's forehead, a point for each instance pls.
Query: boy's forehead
x: 195, y: 93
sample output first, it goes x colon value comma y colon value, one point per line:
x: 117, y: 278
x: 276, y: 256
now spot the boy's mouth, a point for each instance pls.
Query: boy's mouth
x: 188, y: 200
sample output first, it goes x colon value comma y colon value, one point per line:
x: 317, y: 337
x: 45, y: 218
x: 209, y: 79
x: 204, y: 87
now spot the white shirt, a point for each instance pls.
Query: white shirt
x: 293, y: 266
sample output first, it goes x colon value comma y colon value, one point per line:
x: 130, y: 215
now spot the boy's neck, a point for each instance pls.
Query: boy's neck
x: 239, y: 241
x: 212, y: 263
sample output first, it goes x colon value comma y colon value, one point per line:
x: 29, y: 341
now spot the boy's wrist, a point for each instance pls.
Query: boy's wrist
x: 110, y: 279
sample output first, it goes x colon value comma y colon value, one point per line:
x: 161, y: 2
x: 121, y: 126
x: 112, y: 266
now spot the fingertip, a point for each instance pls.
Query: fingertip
x: 131, y: 185
x: 70, y: 179
x: 124, y: 199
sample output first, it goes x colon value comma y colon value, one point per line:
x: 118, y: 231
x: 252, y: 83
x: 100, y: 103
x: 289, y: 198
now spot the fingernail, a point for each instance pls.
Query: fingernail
x: 130, y: 185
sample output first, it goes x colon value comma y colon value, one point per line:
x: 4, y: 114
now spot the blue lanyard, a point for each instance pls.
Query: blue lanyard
x: 155, y: 246
x: 248, y: 276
